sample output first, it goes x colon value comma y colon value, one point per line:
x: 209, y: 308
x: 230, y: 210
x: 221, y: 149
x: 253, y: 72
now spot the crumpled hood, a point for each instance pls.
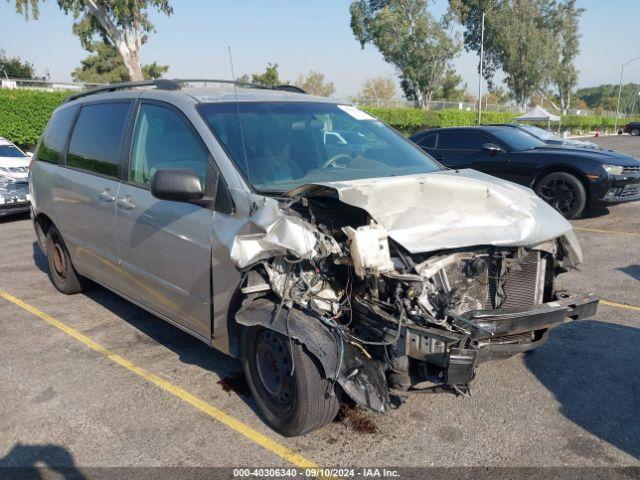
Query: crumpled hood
x: 451, y: 209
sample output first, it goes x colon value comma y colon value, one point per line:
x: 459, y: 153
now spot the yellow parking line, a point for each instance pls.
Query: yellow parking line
x: 222, y: 417
x: 619, y: 305
x: 600, y: 230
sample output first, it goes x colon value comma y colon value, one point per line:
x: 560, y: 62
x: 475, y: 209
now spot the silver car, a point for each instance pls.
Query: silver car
x: 14, y: 187
x: 335, y: 259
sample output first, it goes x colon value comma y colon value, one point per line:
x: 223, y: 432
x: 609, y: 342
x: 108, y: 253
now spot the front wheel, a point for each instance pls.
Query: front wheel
x: 286, y: 384
x: 635, y: 132
x: 564, y: 192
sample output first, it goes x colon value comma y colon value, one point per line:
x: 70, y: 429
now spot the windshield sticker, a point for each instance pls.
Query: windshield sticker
x: 355, y: 112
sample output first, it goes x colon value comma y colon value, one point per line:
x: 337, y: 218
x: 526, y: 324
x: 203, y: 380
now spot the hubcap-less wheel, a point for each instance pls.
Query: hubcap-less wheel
x: 635, y: 132
x: 59, y: 260
x: 560, y: 194
x: 273, y: 362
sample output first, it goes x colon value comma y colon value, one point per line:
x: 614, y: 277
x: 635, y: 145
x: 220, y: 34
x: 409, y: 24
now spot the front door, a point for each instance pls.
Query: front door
x: 165, y: 246
x: 463, y: 149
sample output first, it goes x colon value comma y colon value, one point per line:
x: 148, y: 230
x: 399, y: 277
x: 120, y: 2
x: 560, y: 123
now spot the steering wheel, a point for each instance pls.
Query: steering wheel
x: 331, y: 162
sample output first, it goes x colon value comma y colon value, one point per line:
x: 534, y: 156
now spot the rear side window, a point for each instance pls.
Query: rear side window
x: 55, y: 135
x: 461, y: 141
x: 97, y: 137
x: 429, y: 141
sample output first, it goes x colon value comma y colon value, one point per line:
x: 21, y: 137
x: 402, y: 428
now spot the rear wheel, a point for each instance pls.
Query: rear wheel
x: 635, y: 132
x: 286, y: 383
x: 564, y: 192
x: 61, y: 272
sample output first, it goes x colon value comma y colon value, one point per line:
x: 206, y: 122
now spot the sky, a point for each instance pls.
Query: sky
x: 300, y: 35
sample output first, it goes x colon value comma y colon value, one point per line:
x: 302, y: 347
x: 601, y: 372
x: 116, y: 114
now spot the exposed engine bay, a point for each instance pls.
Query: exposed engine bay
x: 378, y: 316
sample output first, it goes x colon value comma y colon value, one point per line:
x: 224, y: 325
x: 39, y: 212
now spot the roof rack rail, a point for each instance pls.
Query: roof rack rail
x: 175, y: 84
x: 286, y: 88
x: 161, y: 83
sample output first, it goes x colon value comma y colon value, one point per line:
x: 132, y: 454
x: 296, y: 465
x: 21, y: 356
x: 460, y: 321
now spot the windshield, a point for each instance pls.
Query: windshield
x: 541, y: 133
x: 516, y: 139
x: 10, y: 151
x: 288, y: 144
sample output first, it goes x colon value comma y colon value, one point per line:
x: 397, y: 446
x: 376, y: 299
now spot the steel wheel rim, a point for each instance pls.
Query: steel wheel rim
x: 59, y: 260
x: 560, y: 194
x: 273, y: 365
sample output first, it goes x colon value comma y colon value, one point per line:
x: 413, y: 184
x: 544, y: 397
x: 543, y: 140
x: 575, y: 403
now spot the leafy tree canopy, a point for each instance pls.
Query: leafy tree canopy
x: 270, y: 76
x: 410, y: 38
x: 519, y: 39
x: 104, y: 65
x: 124, y: 24
x: 313, y: 83
x: 15, y: 67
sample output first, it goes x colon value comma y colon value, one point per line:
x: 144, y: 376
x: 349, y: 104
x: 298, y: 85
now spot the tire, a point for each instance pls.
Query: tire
x: 635, y: 132
x: 290, y: 404
x: 564, y: 192
x: 61, y: 271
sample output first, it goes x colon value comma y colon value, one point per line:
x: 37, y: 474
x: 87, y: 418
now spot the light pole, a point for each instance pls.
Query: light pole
x: 481, y: 62
x: 480, y: 71
x: 620, y: 90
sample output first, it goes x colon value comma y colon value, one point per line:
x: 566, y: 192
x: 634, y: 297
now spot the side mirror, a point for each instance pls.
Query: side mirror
x: 492, y: 148
x: 29, y: 154
x: 178, y: 185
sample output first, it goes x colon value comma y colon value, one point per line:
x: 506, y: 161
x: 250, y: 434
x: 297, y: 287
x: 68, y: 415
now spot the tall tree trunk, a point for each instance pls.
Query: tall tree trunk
x: 131, y: 59
x: 127, y: 42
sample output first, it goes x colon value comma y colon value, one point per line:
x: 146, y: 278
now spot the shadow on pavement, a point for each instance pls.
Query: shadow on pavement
x: 15, y: 217
x: 632, y: 270
x: 189, y: 349
x: 595, y: 212
x: 26, y: 462
x: 592, y: 368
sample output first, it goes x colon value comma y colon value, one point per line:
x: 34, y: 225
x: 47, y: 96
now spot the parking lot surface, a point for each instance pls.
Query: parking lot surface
x: 146, y: 394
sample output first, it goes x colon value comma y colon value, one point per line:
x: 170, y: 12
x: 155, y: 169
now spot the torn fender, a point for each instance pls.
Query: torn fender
x: 360, y: 377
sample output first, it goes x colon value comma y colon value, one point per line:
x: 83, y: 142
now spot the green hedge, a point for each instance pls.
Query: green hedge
x: 409, y: 120
x: 24, y: 114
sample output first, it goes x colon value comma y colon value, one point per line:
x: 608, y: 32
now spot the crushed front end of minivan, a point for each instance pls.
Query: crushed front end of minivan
x: 409, y: 282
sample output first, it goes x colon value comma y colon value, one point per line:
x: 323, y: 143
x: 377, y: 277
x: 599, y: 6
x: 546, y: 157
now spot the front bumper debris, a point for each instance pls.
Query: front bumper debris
x: 513, y: 321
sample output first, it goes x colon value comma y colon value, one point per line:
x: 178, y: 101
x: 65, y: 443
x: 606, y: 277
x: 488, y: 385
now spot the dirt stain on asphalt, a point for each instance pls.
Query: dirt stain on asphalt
x: 355, y: 419
x: 235, y: 382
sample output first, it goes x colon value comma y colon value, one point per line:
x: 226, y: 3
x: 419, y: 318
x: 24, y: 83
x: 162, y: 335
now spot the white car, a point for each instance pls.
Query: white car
x: 14, y: 183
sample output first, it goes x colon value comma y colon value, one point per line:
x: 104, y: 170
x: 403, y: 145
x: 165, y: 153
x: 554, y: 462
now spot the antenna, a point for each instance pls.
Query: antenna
x: 235, y: 92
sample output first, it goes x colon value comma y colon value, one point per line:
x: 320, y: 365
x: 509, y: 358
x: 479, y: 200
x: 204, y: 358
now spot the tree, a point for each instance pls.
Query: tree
x: 122, y: 23
x: 104, y: 65
x: 450, y: 87
x: 269, y: 77
x: 377, y: 90
x: 605, y: 97
x: 14, y: 67
x: 567, y: 42
x: 313, y: 83
x: 410, y: 38
x: 518, y: 39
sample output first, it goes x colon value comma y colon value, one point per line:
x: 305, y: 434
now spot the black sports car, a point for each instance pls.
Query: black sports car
x: 570, y: 179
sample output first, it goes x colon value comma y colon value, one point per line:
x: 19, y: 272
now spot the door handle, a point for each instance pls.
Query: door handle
x: 126, y: 203
x: 106, y: 196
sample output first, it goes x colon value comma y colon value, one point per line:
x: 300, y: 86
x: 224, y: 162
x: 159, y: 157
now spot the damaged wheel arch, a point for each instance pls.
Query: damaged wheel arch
x: 359, y: 377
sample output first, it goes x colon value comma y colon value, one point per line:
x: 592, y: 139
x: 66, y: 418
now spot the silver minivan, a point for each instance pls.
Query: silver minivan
x: 299, y: 234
